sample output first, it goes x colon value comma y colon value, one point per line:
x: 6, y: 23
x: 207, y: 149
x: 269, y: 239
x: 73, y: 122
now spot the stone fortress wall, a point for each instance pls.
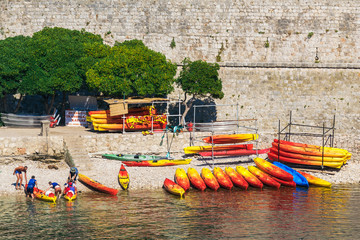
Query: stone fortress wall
x: 266, y: 49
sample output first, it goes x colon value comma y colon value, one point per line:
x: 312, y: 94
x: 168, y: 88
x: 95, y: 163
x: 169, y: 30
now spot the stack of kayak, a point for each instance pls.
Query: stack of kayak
x: 306, y: 154
x: 138, y: 119
x: 264, y: 173
x: 227, y: 150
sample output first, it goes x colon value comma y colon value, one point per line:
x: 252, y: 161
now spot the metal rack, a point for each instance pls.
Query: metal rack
x: 222, y: 127
x: 327, y: 134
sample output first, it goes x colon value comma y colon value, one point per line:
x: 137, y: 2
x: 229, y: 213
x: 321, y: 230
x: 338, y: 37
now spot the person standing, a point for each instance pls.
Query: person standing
x: 73, y: 174
x: 18, y: 172
x: 30, y: 187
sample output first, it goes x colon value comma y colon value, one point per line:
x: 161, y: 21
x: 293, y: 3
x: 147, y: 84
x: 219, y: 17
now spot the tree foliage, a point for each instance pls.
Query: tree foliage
x: 199, y: 79
x: 132, y: 69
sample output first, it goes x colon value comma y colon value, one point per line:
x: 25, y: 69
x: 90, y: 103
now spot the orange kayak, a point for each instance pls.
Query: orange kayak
x: 195, y: 179
x: 274, y: 157
x: 285, y: 183
x: 264, y: 177
x: 234, y: 152
x: 230, y: 138
x: 197, y: 149
x: 273, y: 170
x: 236, y: 178
x: 222, y: 178
x: 309, y: 146
x: 308, y: 157
x: 209, y: 179
x: 328, y: 152
x: 315, y: 180
x: 173, y: 188
x: 182, y: 179
x: 249, y: 177
x: 124, y: 179
x: 94, y: 185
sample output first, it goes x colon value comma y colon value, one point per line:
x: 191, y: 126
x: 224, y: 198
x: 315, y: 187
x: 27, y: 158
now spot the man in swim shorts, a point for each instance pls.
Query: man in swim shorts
x: 18, y: 172
x: 56, y: 187
x: 30, y: 187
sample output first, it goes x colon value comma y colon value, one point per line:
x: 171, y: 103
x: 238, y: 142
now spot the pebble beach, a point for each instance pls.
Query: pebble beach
x: 106, y: 171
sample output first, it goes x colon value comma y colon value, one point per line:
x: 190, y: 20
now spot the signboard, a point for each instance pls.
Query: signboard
x: 75, y: 118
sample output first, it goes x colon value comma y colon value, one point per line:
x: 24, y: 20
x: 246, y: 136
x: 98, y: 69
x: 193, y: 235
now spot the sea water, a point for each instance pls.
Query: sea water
x: 287, y: 213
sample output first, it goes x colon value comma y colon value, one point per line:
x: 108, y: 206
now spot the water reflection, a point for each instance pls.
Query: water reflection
x: 287, y: 213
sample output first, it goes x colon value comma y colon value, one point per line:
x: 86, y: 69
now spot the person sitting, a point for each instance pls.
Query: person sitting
x: 73, y: 174
x: 69, y: 187
x: 18, y: 172
x: 30, y: 187
x: 56, y: 187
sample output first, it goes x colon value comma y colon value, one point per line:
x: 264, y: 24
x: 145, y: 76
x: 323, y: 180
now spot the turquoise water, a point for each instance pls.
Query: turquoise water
x: 317, y: 213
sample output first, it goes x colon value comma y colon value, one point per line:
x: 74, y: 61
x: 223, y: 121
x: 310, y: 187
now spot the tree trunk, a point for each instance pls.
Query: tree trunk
x: 62, y: 111
x: 188, y: 106
x: 19, y: 103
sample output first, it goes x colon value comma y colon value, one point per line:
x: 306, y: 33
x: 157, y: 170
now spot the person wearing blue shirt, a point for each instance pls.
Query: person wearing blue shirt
x: 73, y: 174
x: 30, y: 187
x: 56, y: 187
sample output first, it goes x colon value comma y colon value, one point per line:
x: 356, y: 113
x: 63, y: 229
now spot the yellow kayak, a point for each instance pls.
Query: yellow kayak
x: 315, y: 180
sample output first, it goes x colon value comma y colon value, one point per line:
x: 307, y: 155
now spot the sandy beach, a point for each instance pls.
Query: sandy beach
x: 106, y: 172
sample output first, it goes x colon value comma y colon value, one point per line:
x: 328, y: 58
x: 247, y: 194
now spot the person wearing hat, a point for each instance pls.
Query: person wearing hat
x: 73, y: 174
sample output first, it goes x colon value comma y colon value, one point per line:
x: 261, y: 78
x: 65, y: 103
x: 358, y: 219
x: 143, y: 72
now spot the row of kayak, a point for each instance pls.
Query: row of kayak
x: 264, y: 173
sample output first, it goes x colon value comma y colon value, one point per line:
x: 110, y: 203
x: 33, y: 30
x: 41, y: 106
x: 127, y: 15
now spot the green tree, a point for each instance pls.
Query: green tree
x: 199, y: 79
x: 60, y: 59
x: 132, y: 69
x: 14, y: 63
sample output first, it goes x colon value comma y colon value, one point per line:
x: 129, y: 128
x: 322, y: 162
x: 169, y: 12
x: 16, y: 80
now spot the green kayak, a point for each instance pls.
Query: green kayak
x: 133, y: 157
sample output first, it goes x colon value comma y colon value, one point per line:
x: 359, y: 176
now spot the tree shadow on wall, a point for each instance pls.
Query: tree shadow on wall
x: 202, y: 113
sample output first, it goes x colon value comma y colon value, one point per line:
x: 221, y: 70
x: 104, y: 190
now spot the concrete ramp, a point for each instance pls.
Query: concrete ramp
x: 77, y: 154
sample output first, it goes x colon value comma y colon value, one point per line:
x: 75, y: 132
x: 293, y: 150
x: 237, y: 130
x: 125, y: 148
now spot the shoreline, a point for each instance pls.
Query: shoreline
x: 106, y: 171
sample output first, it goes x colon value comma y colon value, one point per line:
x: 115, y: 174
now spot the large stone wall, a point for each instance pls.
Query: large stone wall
x: 266, y: 82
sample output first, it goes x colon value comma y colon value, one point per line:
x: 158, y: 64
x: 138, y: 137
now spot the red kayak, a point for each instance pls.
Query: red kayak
x: 173, y: 188
x: 264, y: 177
x: 236, y: 152
x: 285, y: 183
x: 236, y: 178
x: 273, y: 170
x: 222, y: 178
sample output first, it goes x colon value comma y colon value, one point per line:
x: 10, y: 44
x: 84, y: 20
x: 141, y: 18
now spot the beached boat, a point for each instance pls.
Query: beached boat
x: 315, y: 180
x: 273, y: 170
x: 40, y: 194
x: 222, y: 178
x: 124, y: 179
x: 236, y: 152
x: 236, y: 178
x: 96, y: 186
x: 231, y: 138
x: 182, y: 179
x: 308, y: 157
x: 209, y: 179
x: 157, y: 163
x: 197, y: 149
x: 264, y: 177
x: 249, y: 177
x: 133, y: 157
x: 275, y: 157
x: 299, y: 179
x: 285, y: 183
x: 195, y: 179
x: 71, y: 196
x: 173, y: 188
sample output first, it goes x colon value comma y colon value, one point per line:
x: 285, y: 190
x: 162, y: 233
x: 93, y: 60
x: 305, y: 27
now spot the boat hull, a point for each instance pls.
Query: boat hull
x: 315, y: 180
x: 264, y: 177
x: 209, y: 179
x: 182, y: 179
x: 124, y: 179
x: 157, y: 163
x: 222, y: 178
x: 236, y: 152
x: 195, y: 179
x: 94, y: 185
x: 230, y: 138
x: 197, y: 149
x: 249, y: 177
x: 299, y: 179
x: 132, y: 157
x: 273, y: 170
x: 173, y: 188
x: 40, y: 194
x: 236, y: 178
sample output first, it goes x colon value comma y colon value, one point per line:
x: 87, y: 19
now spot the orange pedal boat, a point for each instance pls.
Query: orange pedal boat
x: 182, y: 179
x: 249, y: 177
x: 236, y: 178
x: 264, y: 177
x: 273, y: 170
x: 195, y: 179
x: 173, y: 188
x: 94, y: 185
x: 222, y: 178
x: 209, y: 179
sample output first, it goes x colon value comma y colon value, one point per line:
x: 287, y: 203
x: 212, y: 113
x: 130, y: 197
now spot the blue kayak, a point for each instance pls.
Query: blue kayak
x: 299, y: 179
